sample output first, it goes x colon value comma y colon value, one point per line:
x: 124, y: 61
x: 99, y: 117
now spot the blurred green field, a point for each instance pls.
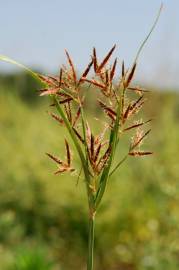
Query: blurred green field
x: 43, y: 218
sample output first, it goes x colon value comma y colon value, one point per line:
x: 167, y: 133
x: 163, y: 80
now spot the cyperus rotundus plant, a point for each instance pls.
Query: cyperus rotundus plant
x: 119, y: 101
x: 96, y: 151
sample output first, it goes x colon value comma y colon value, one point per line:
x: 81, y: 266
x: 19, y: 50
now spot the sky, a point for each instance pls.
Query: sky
x: 36, y: 33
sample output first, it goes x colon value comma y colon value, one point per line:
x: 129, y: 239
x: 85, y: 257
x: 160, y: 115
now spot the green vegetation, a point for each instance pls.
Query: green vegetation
x: 20, y: 84
x: 45, y: 216
x: 31, y: 260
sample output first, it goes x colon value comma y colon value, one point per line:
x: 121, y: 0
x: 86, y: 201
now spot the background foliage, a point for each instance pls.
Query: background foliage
x: 43, y: 218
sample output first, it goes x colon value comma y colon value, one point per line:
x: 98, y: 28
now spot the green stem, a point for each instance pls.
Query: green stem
x: 90, y: 242
x: 105, y: 174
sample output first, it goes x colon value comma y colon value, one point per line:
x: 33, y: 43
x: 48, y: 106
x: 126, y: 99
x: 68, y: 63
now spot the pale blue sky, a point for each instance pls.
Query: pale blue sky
x: 36, y: 33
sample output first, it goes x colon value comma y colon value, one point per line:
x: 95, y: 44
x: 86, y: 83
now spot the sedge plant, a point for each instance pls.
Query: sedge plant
x: 118, y: 100
x: 96, y: 152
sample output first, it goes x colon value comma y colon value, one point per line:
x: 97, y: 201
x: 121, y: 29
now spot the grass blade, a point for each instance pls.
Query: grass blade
x: 11, y: 61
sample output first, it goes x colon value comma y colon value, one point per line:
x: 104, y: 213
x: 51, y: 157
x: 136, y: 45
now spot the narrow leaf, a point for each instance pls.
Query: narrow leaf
x: 11, y: 61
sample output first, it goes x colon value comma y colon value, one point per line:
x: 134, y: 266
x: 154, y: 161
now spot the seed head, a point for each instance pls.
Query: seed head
x: 96, y: 151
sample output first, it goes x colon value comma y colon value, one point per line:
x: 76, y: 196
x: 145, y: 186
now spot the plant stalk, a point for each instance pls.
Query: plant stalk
x: 90, y: 259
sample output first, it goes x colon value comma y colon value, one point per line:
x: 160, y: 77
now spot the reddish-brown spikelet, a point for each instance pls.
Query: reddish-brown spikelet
x: 92, y: 146
x: 48, y: 91
x: 113, y: 70
x: 137, y: 125
x: 96, y: 83
x: 54, y: 79
x: 136, y: 102
x: 132, y: 108
x: 108, y: 110
x: 103, y: 160
x: 46, y: 80
x: 105, y: 107
x: 78, y: 135
x: 140, y: 153
x: 130, y: 76
x: 105, y: 60
x: 61, y: 170
x: 107, y: 77
x: 65, y: 100
x: 97, y: 152
x: 111, y: 116
x: 54, y: 158
x: 67, y: 112
x: 67, y: 73
x: 133, y: 126
x: 100, y: 137
x: 65, y: 95
x: 57, y: 118
x: 126, y: 113
x: 140, y: 139
x: 72, y: 66
x: 67, y: 108
x: 85, y: 73
x: 68, y: 153
x: 123, y: 69
x: 64, y: 168
x: 95, y: 60
x: 70, y: 112
x: 137, y: 108
x: 89, y: 155
x: 60, y: 77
